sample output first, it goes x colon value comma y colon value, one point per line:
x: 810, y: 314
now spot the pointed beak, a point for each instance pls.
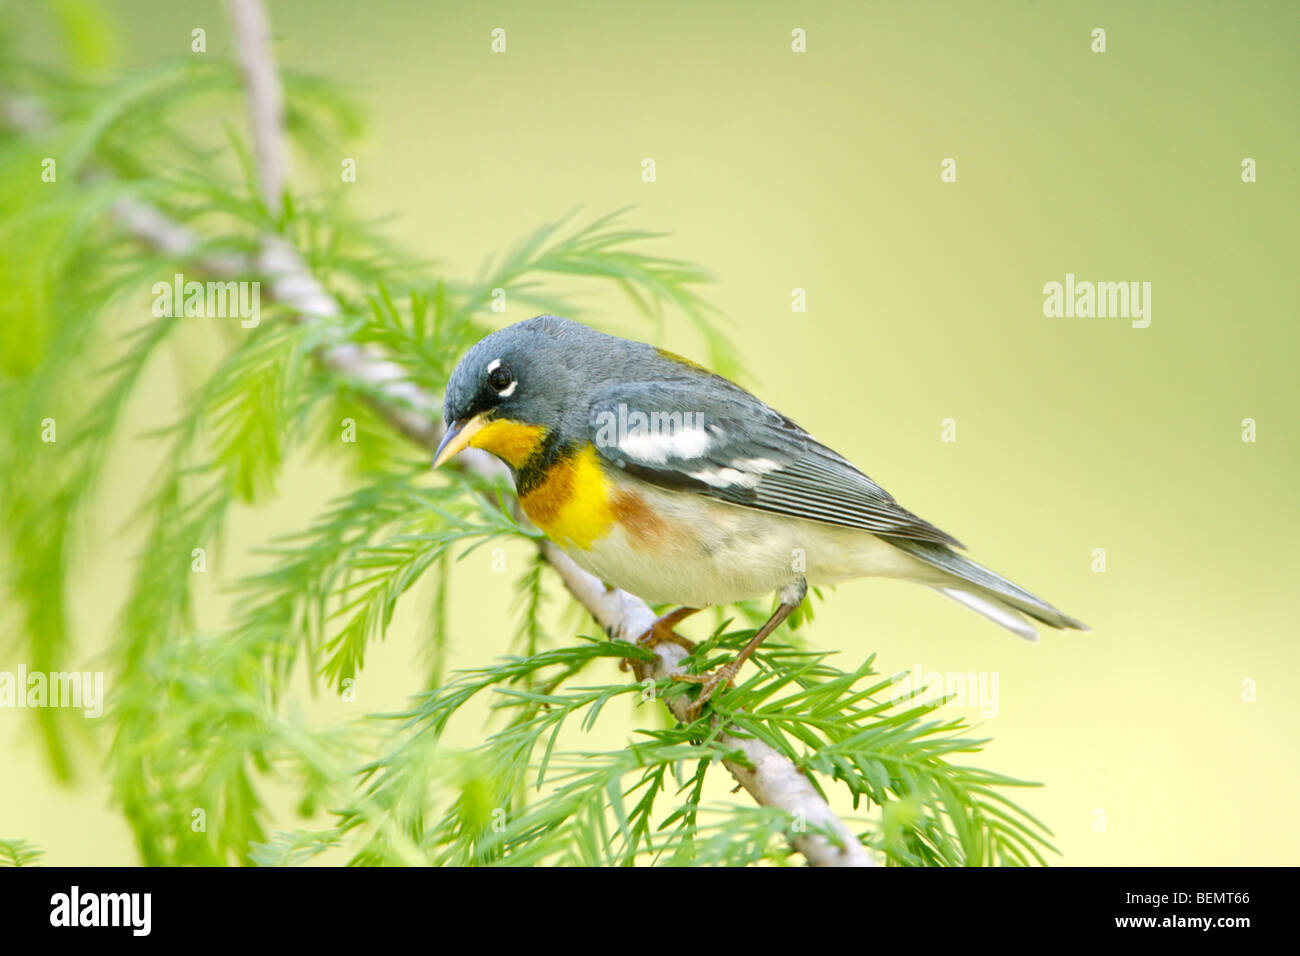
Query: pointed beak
x: 458, y: 437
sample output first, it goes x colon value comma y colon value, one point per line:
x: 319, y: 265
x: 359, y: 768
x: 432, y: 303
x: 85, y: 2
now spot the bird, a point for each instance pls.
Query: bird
x: 671, y: 482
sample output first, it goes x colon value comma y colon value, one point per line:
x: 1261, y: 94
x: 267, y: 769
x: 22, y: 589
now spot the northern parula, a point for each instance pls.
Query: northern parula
x: 667, y: 480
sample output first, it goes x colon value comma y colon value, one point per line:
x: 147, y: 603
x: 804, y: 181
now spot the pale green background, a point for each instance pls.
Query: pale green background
x: 821, y: 171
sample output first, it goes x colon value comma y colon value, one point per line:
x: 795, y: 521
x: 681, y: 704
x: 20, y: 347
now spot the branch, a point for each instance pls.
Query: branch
x: 771, y: 778
x: 265, y: 98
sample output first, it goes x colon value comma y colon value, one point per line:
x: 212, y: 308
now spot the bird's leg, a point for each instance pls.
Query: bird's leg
x: 662, y: 630
x: 791, y: 598
x: 710, y: 682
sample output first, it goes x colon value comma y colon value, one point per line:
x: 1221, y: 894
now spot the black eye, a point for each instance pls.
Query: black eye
x: 500, y: 378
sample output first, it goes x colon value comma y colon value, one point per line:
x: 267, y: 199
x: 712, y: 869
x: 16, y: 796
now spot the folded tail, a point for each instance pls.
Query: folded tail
x: 985, y: 592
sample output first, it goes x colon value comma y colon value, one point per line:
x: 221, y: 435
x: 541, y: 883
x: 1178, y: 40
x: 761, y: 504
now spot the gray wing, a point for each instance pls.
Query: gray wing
x: 723, y: 442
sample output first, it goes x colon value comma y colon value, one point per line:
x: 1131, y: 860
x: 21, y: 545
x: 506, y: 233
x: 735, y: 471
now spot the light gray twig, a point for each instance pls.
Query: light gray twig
x: 770, y: 777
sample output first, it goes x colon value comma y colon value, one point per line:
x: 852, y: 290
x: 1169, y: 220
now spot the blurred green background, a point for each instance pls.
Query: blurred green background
x: 821, y: 171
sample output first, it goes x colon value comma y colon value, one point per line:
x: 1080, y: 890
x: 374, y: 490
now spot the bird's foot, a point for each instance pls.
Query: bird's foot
x: 709, y: 684
x: 661, y: 631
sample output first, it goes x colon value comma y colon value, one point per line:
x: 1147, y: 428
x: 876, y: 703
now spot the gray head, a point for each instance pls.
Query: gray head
x: 533, y: 378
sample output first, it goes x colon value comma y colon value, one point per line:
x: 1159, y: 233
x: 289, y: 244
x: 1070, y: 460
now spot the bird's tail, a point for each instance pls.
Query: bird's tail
x: 985, y: 592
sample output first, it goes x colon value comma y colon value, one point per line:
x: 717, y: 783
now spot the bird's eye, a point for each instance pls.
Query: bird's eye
x: 500, y: 378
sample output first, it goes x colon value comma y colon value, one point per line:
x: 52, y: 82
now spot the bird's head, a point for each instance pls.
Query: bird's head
x: 519, y: 387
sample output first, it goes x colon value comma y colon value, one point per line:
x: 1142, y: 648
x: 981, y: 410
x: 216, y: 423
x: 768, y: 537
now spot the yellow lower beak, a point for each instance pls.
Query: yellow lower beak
x: 458, y: 437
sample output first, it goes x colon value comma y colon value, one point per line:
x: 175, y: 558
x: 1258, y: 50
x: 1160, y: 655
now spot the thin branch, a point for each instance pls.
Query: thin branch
x: 252, y: 29
x: 772, y: 779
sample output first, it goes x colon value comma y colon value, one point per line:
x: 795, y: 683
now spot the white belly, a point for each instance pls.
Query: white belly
x: 715, y: 553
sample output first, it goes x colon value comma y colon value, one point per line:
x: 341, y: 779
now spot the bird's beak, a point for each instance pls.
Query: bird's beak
x: 458, y: 437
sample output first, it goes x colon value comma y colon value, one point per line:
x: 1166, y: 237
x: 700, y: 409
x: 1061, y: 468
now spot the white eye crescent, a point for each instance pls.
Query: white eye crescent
x: 501, y: 379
